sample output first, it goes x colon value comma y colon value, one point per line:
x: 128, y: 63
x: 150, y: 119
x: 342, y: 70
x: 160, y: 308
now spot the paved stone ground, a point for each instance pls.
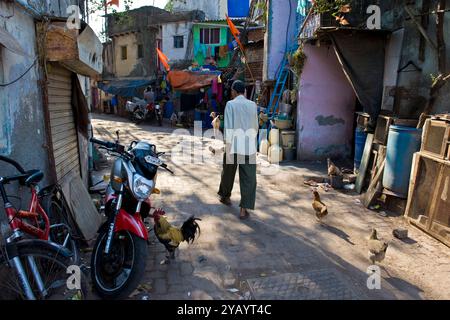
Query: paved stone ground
x: 282, y: 252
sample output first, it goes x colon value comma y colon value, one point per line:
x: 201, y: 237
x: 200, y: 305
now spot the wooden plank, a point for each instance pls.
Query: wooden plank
x: 60, y: 143
x: 59, y: 100
x: 82, y: 209
x: 66, y: 85
x: 375, y: 187
x: 58, y: 92
x: 63, y: 135
x: 67, y: 168
x: 67, y: 157
x: 55, y: 79
x: 435, y: 198
x: 62, y: 122
x: 55, y: 107
x: 61, y: 114
x: 62, y: 128
x: 364, y: 163
x: 64, y: 148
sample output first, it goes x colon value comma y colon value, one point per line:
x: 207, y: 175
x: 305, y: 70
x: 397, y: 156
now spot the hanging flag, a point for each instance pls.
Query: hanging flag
x: 163, y: 58
x: 235, y: 32
x: 113, y: 3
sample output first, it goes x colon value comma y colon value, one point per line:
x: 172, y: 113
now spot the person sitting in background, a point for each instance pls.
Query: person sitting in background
x: 149, y: 95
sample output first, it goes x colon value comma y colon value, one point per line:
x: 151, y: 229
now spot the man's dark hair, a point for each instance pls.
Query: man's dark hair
x: 238, y: 86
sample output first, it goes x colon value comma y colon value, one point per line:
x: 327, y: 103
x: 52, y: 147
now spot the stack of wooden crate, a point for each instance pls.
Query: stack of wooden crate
x: 373, y: 162
x: 429, y: 193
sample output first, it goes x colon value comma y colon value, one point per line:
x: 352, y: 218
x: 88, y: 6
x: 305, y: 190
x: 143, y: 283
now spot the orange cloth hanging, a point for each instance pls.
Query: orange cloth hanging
x: 163, y: 58
x: 235, y: 32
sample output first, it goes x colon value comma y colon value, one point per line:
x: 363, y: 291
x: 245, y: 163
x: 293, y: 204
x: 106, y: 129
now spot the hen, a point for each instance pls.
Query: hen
x: 319, y: 207
x: 170, y: 236
x: 215, y: 123
x: 333, y: 170
x: 377, y: 248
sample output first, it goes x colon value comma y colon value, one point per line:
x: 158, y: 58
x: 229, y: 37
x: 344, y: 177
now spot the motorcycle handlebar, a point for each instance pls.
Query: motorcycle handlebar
x: 109, y: 145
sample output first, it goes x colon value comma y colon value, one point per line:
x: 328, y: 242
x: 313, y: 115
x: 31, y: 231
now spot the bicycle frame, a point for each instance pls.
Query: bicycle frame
x: 16, y: 222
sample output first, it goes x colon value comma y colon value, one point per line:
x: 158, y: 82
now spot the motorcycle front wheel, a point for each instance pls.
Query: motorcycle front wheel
x: 117, y: 274
x: 138, y: 117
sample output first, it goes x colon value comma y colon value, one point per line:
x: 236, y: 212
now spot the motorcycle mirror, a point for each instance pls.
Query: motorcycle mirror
x: 118, y: 137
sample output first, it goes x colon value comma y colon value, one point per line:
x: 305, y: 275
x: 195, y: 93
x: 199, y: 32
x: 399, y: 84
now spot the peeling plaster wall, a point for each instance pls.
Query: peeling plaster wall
x: 134, y: 66
x: 278, y: 27
x: 169, y: 30
x: 326, y: 107
x: 22, y: 128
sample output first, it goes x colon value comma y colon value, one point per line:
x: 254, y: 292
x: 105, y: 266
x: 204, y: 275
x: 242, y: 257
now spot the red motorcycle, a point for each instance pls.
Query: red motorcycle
x: 120, y: 252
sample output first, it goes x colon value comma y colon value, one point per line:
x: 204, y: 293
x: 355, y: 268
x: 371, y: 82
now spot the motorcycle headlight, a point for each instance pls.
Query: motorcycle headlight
x: 142, y: 188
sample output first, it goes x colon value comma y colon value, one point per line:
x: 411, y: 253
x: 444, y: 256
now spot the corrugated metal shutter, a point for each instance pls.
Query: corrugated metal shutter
x: 62, y: 123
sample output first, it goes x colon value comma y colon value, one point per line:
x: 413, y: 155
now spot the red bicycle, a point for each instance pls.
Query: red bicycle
x: 40, y: 264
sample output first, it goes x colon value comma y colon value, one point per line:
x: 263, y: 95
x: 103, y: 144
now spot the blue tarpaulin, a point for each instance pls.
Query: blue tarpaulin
x: 125, y: 88
x: 238, y: 8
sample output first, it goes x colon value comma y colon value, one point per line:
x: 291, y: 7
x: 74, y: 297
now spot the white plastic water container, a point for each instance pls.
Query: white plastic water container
x: 264, y: 147
x: 275, y: 154
x: 274, y: 137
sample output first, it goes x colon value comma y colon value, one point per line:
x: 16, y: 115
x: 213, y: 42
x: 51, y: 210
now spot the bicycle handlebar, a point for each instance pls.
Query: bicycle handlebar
x: 14, y: 163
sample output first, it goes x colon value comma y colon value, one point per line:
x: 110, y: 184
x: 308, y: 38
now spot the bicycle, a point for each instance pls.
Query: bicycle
x: 41, y: 265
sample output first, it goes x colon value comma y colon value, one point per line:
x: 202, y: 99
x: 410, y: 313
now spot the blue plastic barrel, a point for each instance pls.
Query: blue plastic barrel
x: 168, y: 110
x: 238, y: 8
x: 360, y: 143
x: 403, y: 142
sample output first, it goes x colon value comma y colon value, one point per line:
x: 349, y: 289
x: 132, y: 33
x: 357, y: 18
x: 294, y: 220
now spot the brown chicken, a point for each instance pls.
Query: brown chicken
x: 170, y: 236
x: 319, y: 207
x: 333, y: 170
x: 377, y: 248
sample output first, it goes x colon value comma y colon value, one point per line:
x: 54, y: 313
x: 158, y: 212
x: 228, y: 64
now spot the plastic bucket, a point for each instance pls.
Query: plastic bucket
x: 288, y: 138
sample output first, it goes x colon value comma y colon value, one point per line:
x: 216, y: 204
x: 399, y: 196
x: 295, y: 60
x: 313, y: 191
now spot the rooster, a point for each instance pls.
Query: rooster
x: 377, y: 248
x: 319, y: 207
x: 170, y: 236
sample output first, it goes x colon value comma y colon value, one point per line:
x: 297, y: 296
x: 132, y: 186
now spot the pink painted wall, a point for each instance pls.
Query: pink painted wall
x: 326, y: 107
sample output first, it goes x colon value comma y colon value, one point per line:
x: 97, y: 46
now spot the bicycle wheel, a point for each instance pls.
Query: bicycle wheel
x: 58, y: 278
x: 61, y: 233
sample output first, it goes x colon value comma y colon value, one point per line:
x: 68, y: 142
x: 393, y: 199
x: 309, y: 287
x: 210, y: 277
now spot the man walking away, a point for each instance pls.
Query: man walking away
x: 241, y: 129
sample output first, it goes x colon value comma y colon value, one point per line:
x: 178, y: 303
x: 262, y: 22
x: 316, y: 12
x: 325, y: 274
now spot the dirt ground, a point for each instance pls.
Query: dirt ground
x: 282, y: 252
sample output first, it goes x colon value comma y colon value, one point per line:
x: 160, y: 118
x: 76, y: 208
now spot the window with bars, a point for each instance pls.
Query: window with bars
x: 178, y: 42
x: 209, y: 35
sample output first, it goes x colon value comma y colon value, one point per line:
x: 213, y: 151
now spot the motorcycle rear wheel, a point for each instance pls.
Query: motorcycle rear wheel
x: 117, y: 274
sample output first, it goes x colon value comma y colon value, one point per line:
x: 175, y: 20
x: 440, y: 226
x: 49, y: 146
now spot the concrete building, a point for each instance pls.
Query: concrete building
x: 44, y: 117
x: 213, y: 9
x: 333, y: 84
x: 280, y: 34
